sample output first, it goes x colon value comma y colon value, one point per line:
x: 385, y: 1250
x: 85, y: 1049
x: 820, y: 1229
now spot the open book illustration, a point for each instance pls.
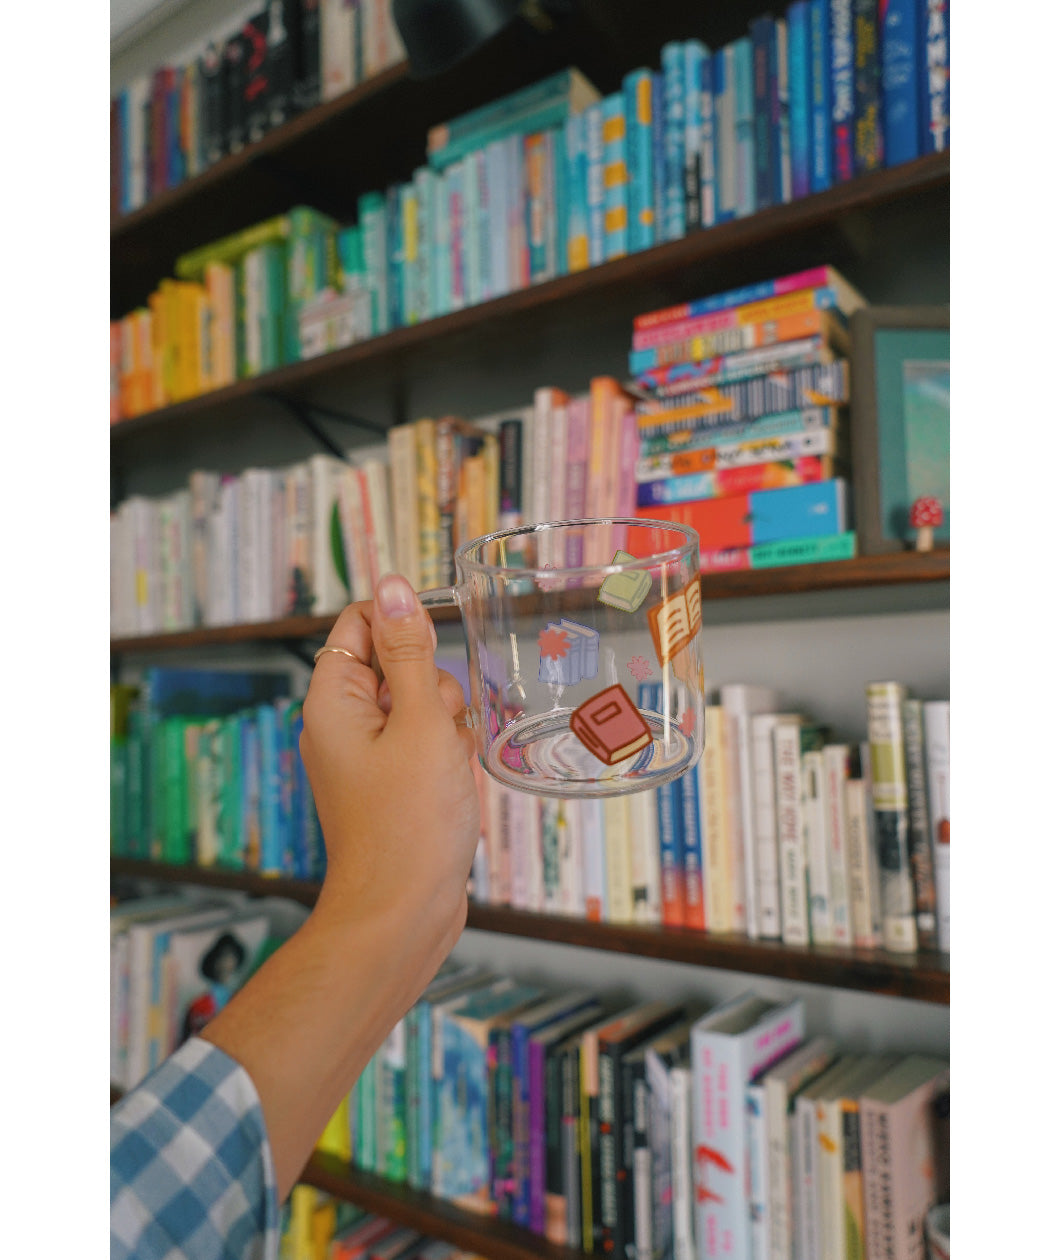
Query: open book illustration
x: 676, y: 621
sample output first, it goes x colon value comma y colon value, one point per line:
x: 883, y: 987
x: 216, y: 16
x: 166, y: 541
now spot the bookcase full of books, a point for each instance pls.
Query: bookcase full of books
x: 331, y: 395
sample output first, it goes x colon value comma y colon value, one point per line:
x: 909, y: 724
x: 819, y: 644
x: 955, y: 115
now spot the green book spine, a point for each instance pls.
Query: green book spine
x: 134, y: 786
x: 192, y: 266
x: 804, y: 550
x: 156, y: 795
x: 551, y: 114
x: 119, y: 832
x: 231, y: 848
x: 274, y: 306
x: 175, y: 791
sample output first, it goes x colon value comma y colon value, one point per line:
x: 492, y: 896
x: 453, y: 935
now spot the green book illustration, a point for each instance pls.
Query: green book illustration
x: 625, y: 591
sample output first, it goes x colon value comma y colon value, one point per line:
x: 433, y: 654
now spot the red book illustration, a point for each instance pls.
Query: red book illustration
x: 610, y: 726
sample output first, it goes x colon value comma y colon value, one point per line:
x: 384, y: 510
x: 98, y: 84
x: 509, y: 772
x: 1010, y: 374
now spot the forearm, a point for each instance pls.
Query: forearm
x: 305, y: 1026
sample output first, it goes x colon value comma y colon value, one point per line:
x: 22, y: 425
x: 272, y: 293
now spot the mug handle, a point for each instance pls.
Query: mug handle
x: 440, y: 597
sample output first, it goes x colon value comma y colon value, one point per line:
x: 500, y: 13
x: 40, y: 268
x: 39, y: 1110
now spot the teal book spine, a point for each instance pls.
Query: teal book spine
x: 485, y: 252
x: 724, y: 63
x: 594, y: 142
x: 577, y: 185
x: 371, y: 215
x: 546, y: 91
x: 471, y: 228
x: 744, y: 125
x: 616, y: 178
x: 408, y: 221
x: 441, y: 254
x: 637, y: 92
x: 274, y: 340
x: 673, y: 75
x: 536, y: 192
x: 551, y: 114
x: 424, y: 181
x: 560, y: 199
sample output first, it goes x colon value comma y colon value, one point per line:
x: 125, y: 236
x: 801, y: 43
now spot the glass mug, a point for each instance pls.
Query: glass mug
x: 585, y: 677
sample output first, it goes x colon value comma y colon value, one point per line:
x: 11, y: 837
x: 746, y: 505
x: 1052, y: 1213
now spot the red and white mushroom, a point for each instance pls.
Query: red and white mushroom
x: 925, y: 518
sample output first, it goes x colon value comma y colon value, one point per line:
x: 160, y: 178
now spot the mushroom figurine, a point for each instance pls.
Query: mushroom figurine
x: 925, y: 518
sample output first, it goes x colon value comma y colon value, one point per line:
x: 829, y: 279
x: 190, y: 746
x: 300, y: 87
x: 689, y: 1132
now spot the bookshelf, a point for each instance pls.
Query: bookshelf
x: 923, y: 977
x: 878, y: 229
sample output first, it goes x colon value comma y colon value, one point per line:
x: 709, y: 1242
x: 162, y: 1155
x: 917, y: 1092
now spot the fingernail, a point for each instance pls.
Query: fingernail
x: 395, y: 597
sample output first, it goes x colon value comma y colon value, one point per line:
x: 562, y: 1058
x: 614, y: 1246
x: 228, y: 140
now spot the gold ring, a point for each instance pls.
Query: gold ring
x: 328, y: 648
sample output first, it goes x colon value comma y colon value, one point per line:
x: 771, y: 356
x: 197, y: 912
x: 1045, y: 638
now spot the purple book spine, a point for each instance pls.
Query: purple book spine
x: 520, y: 1122
x: 536, y: 1123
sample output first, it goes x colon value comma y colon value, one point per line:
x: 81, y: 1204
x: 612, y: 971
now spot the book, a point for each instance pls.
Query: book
x: 841, y: 15
x: 792, y: 738
x: 835, y: 770
x: 615, y: 176
x: 767, y: 866
x: 868, y: 119
x: 672, y: 61
x: 618, y: 859
x: 890, y: 801
x: 637, y: 99
x: 715, y: 822
x: 920, y: 844
x: 863, y: 859
x: 815, y: 840
x: 730, y: 1045
x: 568, y: 1053
x: 696, y: 56
x: 897, y: 1155
x: 723, y: 75
x: 934, y: 43
x: 937, y: 754
x: 900, y: 81
x: 613, y: 1042
x: 763, y: 33
x: 610, y: 726
x: 773, y: 1090
x: 797, y: 17
x: 681, y: 1161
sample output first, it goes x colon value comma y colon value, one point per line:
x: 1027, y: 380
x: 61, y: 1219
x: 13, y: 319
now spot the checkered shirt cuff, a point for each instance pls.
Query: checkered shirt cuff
x: 190, y: 1166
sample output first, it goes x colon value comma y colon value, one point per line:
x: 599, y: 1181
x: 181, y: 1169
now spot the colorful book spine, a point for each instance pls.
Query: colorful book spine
x: 937, y: 756
x: 695, y: 54
x: 637, y: 93
x: 800, y: 87
x: 934, y: 42
x: 742, y: 480
x: 471, y: 228
x: 708, y: 171
x: 836, y: 772
x: 920, y: 845
x: 890, y: 798
x: 900, y: 80
x: 841, y: 13
x: 724, y: 65
x: 615, y: 178
x: 744, y: 125
x: 577, y: 237
x: 811, y: 278
x: 763, y: 51
x: 594, y: 145
x: 868, y: 119
x: 673, y: 72
x: 668, y: 803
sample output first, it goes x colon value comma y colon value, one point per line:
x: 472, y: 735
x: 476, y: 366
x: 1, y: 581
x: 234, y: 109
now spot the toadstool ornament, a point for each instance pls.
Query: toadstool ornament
x: 925, y: 518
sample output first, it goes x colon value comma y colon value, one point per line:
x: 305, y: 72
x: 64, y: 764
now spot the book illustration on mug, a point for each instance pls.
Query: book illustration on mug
x: 610, y: 726
x: 675, y: 622
x: 625, y: 591
x: 570, y: 652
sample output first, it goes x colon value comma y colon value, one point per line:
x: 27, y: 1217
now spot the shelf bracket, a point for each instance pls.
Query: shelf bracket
x: 302, y: 414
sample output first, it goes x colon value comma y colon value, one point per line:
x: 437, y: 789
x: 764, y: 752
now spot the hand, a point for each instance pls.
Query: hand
x: 389, y: 766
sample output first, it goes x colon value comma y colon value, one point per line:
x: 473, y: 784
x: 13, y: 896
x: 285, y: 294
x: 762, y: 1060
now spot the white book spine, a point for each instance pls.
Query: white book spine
x: 278, y: 568
x: 807, y: 1241
x: 535, y: 882
x: 329, y: 595
x: 298, y: 535
x: 644, y: 844
x: 836, y: 773
x: 860, y: 855
x: 518, y: 843
x: 816, y: 843
x: 618, y: 860
x: 734, y: 818
x: 247, y: 594
x: 378, y: 480
x: 937, y: 755
x: 758, y: 1169
x: 791, y: 851
x: 767, y: 866
x: 594, y: 867
x: 352, y: 521
x: 681, y: 1162
x: 570, y: 858
x: 830, y: 1208
x: 557, y: 479
x: 337, y: 48
x: 404, y: 506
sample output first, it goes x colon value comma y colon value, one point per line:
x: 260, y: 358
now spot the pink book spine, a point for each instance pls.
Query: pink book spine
x: 811, y: 279
x: 577, y: 470
x: 626, y: 489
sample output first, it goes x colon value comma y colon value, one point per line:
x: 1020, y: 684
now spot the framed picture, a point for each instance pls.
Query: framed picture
x: 899, y: 422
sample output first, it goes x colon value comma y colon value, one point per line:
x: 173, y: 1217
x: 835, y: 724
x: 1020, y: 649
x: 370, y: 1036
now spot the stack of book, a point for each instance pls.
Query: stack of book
x: 552, y: 179
x: 743, y: 420
x: 205, y: 770
x: 626, y: 1130
x: 175, y: 959
x: 316, y: 1226
x: 780, y: 832
x: 236, y: 84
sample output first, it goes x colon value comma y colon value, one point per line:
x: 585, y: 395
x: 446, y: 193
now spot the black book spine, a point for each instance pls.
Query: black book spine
x: 212, y: 116
x: 572, y: 1167
x: 256, y: 77
x: 307, y: 73
x: 235, y: 117
x: 281, y: 35
x: 511, y: 462
x: 554, y: 1104
x: 636, y: 1157
x: 610, y: 1131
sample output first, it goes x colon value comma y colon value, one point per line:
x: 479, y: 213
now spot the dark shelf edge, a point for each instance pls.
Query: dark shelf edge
x: 921, y: 977
x: 881, y: 186
x: 280, y: 138
x: 486, y: 1236
x: 896, y: 569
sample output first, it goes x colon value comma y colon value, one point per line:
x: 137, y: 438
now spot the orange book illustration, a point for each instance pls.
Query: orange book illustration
x: 675, y: 622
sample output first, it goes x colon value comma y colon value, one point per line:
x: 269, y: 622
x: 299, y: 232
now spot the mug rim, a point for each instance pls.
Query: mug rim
x: 689, y: 547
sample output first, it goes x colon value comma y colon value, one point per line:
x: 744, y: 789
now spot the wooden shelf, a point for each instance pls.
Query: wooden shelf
x: 484, y: 1235
x: 924, y: 977
x: 897, y: 569
x: 774, y: 240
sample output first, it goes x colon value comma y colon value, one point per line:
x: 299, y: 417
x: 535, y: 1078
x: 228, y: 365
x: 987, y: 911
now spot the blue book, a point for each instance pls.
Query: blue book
x: 594, y: 144
x: 637, y: 92
x: 126, y: 151
x: 822, y: 148
x: 560, y: 199
x: 868, y: 114
x: 176, y: 691
x: 842, y: 45
x: 616, y: 177
x: 900, y: 81
x: 934, y: 43
x: 695, y: 55
x: 707, y: 175
x: 658, y: 155
x: 798, y: 511
x: 724, y: 134
x: 763, y: 52
x: 798, y: 19
x: 273, y: 828
x: 395, y: 245
x: 671, y: 853
x: 174, y: 152
x: 692, y: 856
x: 673, y: 70
x: 744, y: 125
x: 576, y: 241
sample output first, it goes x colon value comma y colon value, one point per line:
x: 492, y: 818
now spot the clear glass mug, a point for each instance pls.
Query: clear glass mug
x: 585, y: 678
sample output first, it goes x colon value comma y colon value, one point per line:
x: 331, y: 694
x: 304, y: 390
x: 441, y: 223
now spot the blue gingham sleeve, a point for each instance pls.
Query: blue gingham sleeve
x: 191, y: 1171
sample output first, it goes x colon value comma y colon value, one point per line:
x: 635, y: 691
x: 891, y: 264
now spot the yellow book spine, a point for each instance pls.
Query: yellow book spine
x: 427, y: 492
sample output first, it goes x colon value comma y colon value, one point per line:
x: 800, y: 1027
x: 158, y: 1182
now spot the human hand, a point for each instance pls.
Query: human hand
x: 390, y: 772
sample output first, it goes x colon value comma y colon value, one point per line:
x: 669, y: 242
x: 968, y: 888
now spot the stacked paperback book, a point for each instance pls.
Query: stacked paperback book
x: 780, y: 832
x: 743, y: 420
x: 549, y: 180
x: 658, y: 1129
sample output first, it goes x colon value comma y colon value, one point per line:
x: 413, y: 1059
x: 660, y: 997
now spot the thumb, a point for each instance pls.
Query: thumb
x: 404, y: 641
